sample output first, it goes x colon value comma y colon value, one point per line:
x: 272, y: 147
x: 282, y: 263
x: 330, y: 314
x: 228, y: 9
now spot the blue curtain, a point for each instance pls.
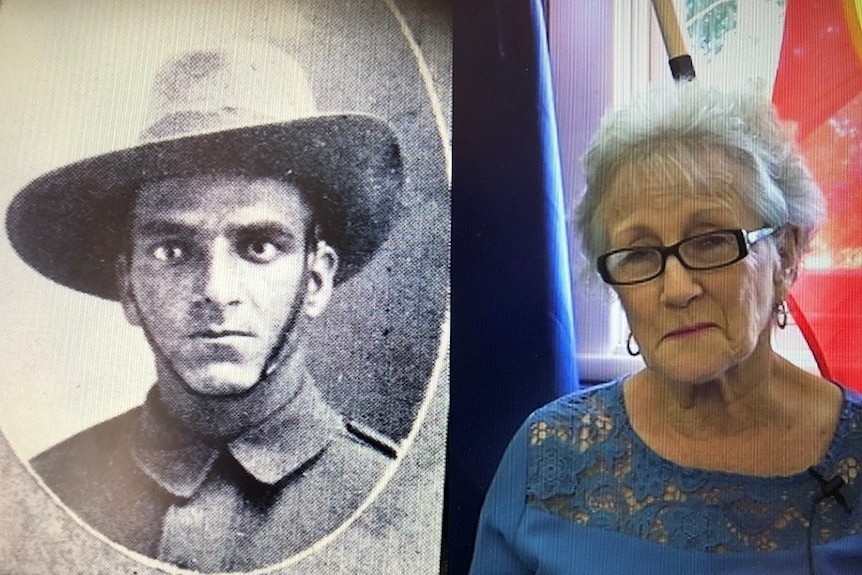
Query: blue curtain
x: 512, y: 333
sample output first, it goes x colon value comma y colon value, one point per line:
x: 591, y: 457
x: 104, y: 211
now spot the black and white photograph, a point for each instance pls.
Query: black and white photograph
x: 226, y: 285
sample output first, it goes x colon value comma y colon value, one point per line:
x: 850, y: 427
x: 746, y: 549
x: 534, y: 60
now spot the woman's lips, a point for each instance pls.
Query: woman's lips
x: 689, y: 331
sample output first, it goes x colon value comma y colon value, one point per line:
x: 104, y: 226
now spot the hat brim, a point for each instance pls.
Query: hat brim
x: 71, y: 224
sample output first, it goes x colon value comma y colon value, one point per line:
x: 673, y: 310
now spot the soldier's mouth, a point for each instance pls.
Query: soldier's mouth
x: 212, y: 334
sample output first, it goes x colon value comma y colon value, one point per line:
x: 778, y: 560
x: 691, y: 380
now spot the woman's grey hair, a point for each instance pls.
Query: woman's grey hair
x: 673, y: 127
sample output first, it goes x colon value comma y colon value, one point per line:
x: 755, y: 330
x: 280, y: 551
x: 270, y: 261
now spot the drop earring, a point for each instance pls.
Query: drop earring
x: 781, y: 315
x: 632, y: 346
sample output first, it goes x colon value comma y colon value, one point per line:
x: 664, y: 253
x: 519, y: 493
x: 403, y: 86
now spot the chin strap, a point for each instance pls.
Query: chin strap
x: 284, y: 348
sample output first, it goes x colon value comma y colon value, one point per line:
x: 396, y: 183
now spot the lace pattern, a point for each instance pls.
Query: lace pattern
x: 586, y: 463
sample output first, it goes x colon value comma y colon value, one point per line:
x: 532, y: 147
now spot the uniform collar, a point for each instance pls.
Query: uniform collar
x: 180, y: 460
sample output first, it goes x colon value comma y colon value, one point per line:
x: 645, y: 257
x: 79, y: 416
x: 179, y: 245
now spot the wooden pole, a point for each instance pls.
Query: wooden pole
x: 679, y: 61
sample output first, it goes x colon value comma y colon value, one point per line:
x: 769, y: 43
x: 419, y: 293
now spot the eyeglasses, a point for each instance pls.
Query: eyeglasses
x: 701, y: 252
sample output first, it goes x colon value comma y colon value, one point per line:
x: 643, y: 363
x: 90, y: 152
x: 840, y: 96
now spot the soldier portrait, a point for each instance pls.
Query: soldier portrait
x: 226, y: 267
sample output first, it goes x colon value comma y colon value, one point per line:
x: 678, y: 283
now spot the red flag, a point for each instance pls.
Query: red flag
x: 819, y: 86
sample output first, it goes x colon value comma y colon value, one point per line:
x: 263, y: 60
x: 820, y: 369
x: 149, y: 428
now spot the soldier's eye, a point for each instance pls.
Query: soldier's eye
x: 170, y: 253
x: 262, y: 251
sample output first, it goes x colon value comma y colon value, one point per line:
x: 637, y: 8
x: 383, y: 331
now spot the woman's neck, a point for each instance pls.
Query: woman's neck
x: 740, y: 398
x: 773, y: 420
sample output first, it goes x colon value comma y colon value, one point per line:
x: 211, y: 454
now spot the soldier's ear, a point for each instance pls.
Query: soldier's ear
x: 321, y: 265
x: 124, y: 289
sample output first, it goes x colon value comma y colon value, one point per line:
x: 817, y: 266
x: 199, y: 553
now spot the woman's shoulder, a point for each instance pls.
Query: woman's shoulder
x: 570, y: 434
x: 850, y: 416
x: 597, y: 401
x: 850, y: 424
x: 853, y: 398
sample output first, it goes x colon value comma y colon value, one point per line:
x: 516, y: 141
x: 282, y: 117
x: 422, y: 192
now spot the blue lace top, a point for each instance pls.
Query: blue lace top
x: 578, y: 491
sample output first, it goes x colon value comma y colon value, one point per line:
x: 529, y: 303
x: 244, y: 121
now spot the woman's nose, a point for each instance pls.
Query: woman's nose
x: 679, y: 284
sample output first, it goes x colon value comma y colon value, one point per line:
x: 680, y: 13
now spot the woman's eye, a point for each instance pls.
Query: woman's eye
x: 712, y: 242
x: 169, y: 253
x: 633, y: 257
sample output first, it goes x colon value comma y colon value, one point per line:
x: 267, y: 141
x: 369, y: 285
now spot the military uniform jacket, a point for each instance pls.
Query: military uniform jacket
x: 146, y: 482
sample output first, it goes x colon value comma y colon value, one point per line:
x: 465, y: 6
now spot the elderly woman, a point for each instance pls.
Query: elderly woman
x: 720, y: 456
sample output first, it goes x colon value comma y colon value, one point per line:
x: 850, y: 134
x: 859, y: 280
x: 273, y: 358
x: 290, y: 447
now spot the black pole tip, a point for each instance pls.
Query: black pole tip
x: 682, y: 67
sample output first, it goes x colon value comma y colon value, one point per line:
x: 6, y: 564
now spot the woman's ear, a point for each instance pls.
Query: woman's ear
x: 321, y: 264
x: 790, y: 254
x: 125, y: 291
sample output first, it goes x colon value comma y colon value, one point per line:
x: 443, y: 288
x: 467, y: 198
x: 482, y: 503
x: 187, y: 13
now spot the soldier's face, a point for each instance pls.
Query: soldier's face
x: 218, y: 272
